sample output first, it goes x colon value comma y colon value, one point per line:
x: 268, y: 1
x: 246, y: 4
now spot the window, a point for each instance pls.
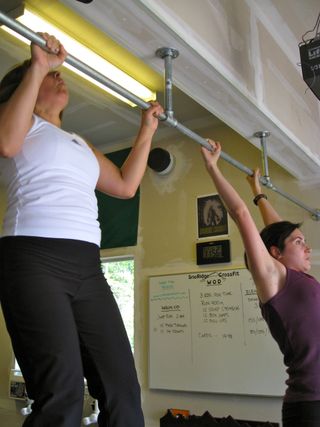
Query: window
x: 120, y: 276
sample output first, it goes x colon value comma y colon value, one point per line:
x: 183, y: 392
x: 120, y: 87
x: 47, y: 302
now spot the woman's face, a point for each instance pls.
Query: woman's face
x: 53, y: 92
x: 296, y: 253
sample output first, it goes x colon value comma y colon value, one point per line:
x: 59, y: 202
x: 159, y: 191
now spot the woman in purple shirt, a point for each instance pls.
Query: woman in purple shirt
x: 279, y: 260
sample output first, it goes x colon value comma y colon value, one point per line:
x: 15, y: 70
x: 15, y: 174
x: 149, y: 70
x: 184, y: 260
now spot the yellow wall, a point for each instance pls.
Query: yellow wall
x: 166, y: 244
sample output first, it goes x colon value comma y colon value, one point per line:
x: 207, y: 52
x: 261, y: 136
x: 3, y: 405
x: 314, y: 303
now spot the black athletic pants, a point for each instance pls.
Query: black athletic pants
x: 301, y: 414
x: 65, y: 325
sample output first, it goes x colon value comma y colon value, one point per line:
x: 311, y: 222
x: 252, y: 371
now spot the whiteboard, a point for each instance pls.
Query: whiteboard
x: 206, y: 334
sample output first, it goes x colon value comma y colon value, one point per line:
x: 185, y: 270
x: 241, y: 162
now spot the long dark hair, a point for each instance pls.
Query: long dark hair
x: 275, y: 235
x: 12, y: 79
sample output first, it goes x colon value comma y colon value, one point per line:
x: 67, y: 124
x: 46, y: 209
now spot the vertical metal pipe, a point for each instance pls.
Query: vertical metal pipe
x: 263, y: 135
x: 168, y: 53
x: 168, y: 86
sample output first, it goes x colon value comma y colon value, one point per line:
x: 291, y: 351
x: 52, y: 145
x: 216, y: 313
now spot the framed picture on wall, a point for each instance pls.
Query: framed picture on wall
x: 212, y: 216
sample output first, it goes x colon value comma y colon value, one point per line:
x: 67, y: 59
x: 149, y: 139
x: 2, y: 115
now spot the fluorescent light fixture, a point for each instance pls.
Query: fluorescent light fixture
x: 79, y: 51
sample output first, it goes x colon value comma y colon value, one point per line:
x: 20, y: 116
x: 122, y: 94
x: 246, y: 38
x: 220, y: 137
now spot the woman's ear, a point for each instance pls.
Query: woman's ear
x: 275, y: 252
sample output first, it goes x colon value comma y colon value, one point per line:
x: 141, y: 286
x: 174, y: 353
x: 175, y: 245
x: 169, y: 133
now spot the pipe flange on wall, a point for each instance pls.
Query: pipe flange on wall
x: 161, y: 161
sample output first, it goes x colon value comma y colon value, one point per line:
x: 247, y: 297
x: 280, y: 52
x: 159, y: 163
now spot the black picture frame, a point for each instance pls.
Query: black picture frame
x: 214, y: 252
x: 212, y: 216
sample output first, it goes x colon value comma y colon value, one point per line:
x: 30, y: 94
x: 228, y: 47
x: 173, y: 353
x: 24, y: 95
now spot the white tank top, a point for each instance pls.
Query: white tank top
x: 50, y: 186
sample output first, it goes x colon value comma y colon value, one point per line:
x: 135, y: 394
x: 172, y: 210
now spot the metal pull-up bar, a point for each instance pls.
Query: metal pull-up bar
x: 167, y: 117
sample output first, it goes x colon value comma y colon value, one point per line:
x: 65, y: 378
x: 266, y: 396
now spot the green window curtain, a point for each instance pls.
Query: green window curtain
x: 118, y: 218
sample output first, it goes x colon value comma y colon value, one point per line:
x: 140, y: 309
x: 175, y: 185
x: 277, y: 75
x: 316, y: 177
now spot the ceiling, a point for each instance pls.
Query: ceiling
x: 100, y: 118
x: 142, y: 26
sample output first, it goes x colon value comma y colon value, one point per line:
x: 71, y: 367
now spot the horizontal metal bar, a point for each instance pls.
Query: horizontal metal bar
x: 266, y: 181
x: 169, y: 121
x: 86, y: 69
x: 314, y: 212
x: 75, y: 62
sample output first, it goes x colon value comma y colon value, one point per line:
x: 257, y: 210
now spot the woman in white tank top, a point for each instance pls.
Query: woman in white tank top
x: 60, y: 313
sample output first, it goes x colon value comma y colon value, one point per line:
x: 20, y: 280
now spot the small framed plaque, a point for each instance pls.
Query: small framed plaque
x: 214, y: 252
x: 212, y: 216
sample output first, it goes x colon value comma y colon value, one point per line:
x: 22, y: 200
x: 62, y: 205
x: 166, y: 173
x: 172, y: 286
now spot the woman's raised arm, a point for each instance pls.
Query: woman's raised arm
x: 268, y: 213
x: 16, y: 112
x: 268, y: 274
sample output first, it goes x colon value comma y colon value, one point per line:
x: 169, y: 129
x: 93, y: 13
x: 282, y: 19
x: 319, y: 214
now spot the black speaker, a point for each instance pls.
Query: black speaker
x: 310, y: 64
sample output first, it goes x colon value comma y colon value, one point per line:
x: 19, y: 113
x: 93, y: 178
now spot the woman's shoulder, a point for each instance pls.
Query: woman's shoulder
x: 300, y: 275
